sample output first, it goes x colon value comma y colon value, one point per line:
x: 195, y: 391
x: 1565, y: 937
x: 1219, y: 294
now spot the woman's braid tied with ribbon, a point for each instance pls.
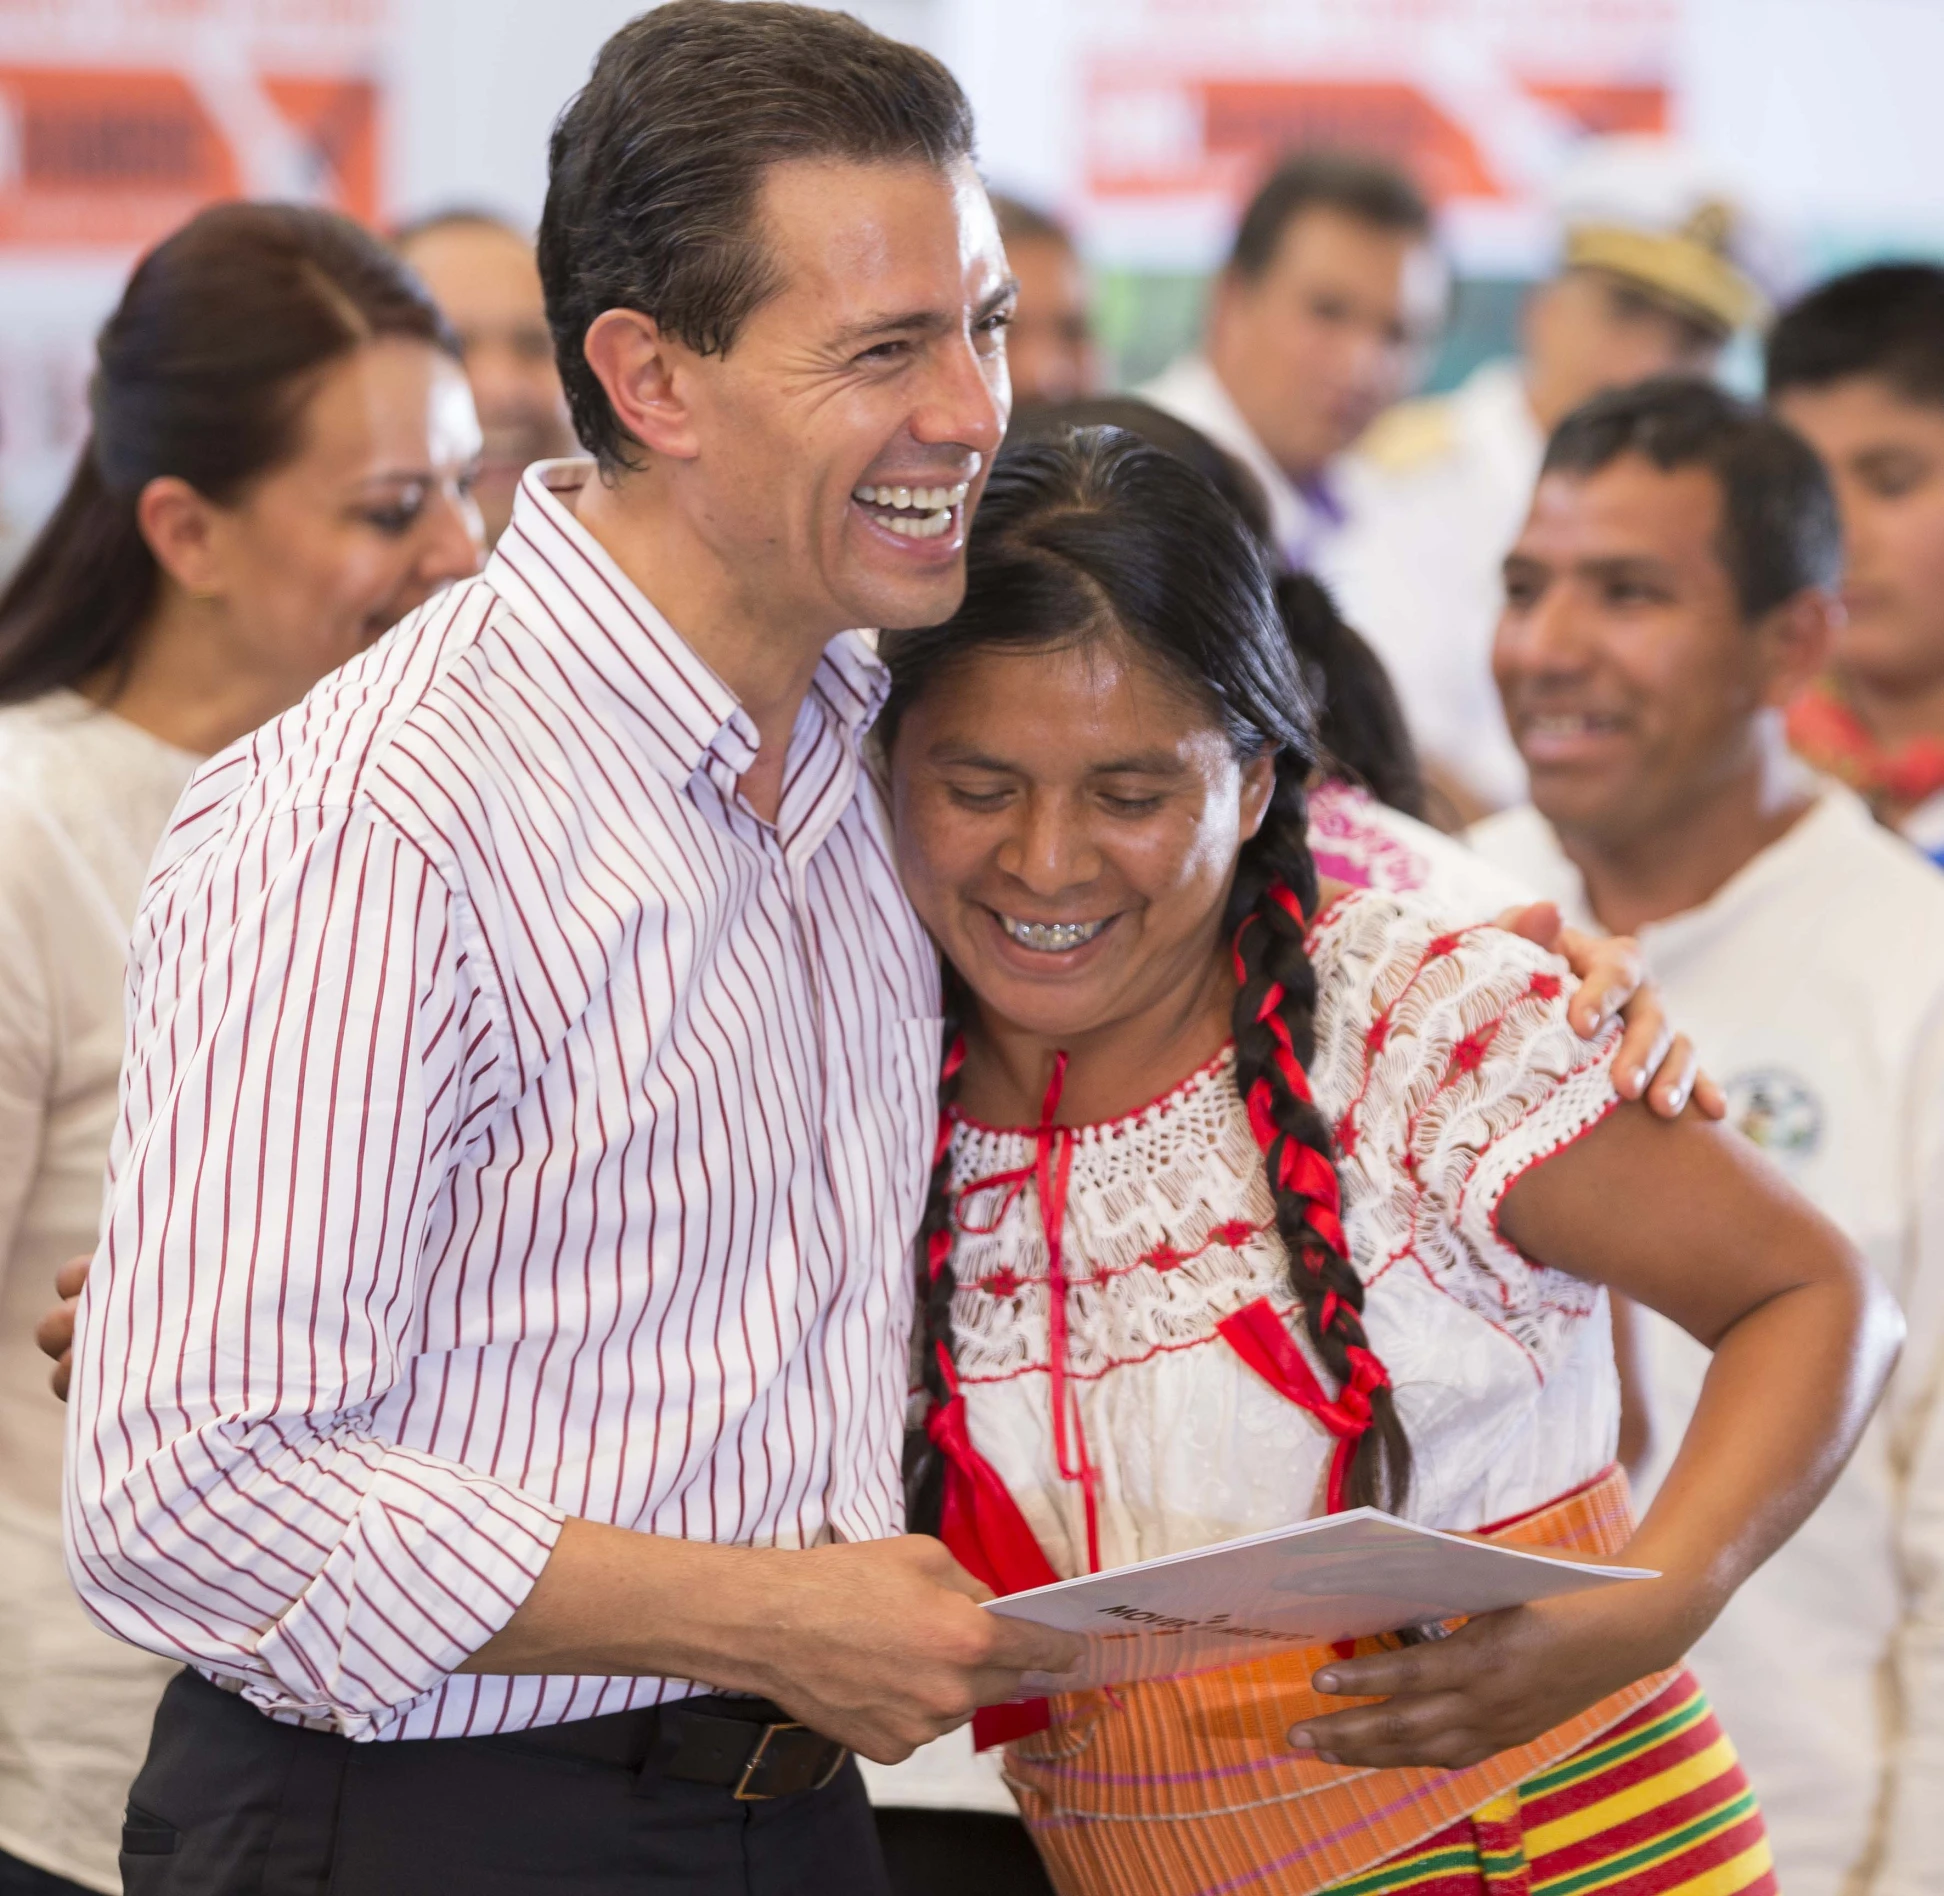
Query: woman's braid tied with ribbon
x: 1275, y: 1033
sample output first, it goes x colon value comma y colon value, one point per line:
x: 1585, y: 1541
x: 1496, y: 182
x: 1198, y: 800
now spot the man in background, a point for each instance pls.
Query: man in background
x: 1320, y: 319
x: 1050, y: 340
x: 1672, y: 589
x: 1858, y: 367
x: 481, y: 272
x: 1648, y: 284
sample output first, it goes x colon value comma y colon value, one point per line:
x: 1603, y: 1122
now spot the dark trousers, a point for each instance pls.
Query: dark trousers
x: 959, y: 1853
x: 22, y: 1879
x: 231, y: 1803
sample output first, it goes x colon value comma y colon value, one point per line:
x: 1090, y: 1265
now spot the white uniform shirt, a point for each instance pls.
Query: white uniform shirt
x: 1434, y: 496
x: 84, y: 796
x: 515, y: 1126
x: 1812, y: 983
x: 1303, y: 521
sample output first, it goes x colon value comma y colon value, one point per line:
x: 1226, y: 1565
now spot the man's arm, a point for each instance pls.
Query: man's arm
x: 877, y: 1643
x: 309, y: 1028
x: 307, y: 1042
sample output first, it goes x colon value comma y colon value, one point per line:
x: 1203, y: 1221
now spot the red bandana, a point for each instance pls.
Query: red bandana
x: 1828, y: 734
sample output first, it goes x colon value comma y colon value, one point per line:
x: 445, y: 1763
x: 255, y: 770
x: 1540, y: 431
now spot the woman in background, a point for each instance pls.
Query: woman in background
x: 278, y: 470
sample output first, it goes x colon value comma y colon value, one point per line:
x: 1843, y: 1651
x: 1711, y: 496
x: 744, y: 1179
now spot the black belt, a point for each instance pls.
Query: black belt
x: 752, y: 1748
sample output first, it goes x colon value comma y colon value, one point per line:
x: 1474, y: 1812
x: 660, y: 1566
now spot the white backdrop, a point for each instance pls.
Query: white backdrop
x: 1827, y: 108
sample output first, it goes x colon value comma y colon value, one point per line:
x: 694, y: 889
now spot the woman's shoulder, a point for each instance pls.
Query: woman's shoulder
x: 1382, y: 933
x: 1423, y: 1020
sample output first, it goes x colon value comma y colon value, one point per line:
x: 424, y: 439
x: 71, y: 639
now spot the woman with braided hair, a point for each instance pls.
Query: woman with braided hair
x: 1256, y: 1197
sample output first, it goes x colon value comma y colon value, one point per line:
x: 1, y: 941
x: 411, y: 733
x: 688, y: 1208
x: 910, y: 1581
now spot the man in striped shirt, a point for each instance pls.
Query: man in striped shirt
x: 502, y: 1314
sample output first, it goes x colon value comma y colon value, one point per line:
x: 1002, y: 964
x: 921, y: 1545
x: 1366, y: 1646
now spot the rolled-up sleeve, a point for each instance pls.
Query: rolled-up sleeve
x: 315, y: 1044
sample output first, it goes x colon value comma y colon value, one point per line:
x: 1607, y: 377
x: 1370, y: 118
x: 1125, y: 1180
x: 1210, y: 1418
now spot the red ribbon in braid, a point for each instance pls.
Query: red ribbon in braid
x: 1255, y: 1332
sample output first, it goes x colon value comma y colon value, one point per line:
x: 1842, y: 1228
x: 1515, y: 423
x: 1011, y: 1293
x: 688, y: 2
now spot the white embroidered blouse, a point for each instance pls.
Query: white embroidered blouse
x: 1446, y: 1065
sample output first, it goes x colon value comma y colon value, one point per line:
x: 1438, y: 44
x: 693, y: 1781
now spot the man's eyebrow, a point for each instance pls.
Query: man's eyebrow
x: 924, y: 322
x: 1627, y: 566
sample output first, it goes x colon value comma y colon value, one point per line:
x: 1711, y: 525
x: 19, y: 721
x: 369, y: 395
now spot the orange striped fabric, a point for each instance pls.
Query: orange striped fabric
x: 1187, y: 1785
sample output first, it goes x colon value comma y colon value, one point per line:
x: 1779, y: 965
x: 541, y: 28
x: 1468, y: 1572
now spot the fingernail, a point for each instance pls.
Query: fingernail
x: 1300, y: 1740
x: 1324, y: 1682
x: 1637, y: 1080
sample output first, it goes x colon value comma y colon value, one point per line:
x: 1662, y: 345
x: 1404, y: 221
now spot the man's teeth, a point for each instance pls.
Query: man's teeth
x: 1567, y: 724
x: 1051, y: 938
x: 925, y: 512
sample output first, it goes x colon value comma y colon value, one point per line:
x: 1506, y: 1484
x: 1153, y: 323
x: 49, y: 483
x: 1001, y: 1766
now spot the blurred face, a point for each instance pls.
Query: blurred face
x: 1631, y: 682
x: 1885, y: 454
x: 1067, y: 826
x: 844, y: 436
x: 1588, y: 331
x: 485, y: 280
x: 1049, y: 343
x: 371, y: 516
x: 1332, y: 333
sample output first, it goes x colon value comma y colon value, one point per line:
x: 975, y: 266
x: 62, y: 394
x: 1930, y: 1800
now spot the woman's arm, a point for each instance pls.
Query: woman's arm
x: 1688, y: 1220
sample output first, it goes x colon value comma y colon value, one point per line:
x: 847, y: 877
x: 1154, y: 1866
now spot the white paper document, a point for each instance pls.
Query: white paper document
x: 1339, y: 1577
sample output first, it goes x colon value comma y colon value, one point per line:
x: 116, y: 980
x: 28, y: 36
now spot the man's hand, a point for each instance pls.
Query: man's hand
x: 881, y: 1644
x: 878, y: 1644
x: 55, y: 1331
x: 1612, y: 980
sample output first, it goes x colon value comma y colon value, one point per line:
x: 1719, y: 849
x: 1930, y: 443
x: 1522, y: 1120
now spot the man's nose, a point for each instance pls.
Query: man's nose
x: 1546, y: 638
x: 961, y: 406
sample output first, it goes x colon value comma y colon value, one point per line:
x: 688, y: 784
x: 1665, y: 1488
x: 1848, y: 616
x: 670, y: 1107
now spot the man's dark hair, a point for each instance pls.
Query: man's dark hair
x: 655, y: 167
x: 1366, y: 188
x: 1779, y: 532
x: 1886, y: 321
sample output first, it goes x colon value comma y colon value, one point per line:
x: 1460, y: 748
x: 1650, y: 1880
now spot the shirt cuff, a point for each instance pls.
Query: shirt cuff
x: 434, y: 1562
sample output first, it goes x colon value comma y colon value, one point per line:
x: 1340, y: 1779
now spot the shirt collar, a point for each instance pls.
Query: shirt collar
x: 553, y: 572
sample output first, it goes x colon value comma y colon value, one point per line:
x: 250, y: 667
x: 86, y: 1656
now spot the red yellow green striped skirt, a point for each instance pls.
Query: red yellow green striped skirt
x: 1658, y: 1806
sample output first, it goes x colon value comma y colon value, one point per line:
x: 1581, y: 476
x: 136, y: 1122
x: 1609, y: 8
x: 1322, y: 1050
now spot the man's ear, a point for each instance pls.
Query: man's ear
x: 643, y: 375
x: 1796, y: 637
x: 184, y: 532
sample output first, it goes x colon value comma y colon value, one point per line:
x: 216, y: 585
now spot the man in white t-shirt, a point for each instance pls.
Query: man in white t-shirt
x: 1673, y: 587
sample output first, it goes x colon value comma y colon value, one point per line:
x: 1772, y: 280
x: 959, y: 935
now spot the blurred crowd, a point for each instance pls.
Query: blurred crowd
x: 1667, y: 658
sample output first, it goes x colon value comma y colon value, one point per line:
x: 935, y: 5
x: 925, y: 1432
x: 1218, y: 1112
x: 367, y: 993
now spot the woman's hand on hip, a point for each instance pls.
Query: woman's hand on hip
x: 1501, y: 1680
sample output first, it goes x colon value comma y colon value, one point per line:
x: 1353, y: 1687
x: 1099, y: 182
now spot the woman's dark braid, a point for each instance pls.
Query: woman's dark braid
x: 924, y: 1466
x: 1275, y: 1035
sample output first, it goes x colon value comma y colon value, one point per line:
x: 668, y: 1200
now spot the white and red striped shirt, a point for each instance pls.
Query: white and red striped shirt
x: 514, y: 1127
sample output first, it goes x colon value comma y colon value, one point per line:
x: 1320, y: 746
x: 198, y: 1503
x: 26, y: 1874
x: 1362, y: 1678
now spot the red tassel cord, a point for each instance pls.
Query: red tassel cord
x: 1255, y: 1332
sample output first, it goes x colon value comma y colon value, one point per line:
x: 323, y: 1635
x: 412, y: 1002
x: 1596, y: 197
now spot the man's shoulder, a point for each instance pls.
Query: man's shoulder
x: 334, y: 753
x: 1883, y: 898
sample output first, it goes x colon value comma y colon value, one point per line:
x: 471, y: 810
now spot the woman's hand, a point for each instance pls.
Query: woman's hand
x: 1502, y: 1679
x: 1613, y: 980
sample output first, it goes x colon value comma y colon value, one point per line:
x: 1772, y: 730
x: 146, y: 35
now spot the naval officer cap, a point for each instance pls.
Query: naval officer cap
x: 1649, y: 211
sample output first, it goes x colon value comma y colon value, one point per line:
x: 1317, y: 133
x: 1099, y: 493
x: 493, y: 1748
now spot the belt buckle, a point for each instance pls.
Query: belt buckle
x: 744, y: 1795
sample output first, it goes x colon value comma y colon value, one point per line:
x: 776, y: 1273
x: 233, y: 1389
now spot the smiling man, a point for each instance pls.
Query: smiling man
x: 496, y: 1354
x: 1671, y: 591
